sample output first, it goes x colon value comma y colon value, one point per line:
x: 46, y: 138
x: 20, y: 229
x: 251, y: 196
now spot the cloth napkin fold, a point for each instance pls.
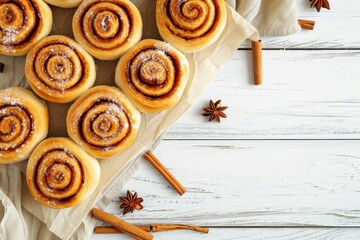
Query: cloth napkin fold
x: 271, y: 18
x: 23, y: 218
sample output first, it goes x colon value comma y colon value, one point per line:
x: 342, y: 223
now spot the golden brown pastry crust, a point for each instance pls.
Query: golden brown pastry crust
x: 59, y: 70
x: 64, y: 3
x: 24, y: 122
x: 103, y: 121
x: 60, y: 174
x: 153, y: 75
x: 190, y: 25
x: 107, y: 28
x: 22, y: 24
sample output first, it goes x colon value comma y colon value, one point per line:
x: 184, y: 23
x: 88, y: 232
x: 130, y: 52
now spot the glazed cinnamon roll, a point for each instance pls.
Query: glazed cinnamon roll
x: 59, y: 70
x: 64, y: 3
x: 190, y: 25
x: 153, y: 75
x: 107, y: 28
x: 22, y: 24
x: 103, y: 121
x: 60, y: 174
x: 24, y: 122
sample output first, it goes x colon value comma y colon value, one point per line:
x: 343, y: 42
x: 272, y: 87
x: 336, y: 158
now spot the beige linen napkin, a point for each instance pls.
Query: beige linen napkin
x: 270, y: 17
x: 22, y: 217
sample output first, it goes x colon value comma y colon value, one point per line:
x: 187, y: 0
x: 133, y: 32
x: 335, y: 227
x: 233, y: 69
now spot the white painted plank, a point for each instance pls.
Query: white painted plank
x: 305, y: 95
x: 337, y: 28
x: 252, y: 234
x: 251, y: 183
x: 339, y: 8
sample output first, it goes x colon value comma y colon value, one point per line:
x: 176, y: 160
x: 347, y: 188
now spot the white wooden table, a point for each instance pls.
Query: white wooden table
x: 285, y: 164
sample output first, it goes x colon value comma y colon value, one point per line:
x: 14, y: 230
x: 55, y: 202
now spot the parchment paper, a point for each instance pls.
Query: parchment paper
x: 24, y: 218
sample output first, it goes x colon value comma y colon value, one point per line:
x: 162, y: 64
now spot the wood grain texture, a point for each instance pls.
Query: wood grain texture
x: 251, y: 183
x: 252, y: 234
x: 305, y: 95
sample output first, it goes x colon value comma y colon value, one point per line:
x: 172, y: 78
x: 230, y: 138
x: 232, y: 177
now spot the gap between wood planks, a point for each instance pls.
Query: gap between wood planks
x: 263, y: 139
x: 303, y: 49
x: 281, y: 227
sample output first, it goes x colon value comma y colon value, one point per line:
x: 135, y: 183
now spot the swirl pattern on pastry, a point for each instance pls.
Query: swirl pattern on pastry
x: 190, y: 25
x: 153, y: 75
x: 103, y: 121
x: 59, y: 70
x: 107, y: 28
x: 60, y: 174
x: 22, y: 24
x: 24, y: 122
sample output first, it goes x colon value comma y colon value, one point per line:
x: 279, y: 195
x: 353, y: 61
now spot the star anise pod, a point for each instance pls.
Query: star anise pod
x: 131, y: 202
x: 320, y: 4
x: 215, y: 111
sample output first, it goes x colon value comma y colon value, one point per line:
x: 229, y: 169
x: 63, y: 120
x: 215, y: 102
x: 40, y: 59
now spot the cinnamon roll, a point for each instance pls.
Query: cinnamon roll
x: 190, y: 25
x: 64, y: 3
x: 103, y: 121
x: 22, y: 24
x: 59, y: 70
x: 153, y: 75
x: 60, y: 174
x: 107, y: 28
x: 24, y: 122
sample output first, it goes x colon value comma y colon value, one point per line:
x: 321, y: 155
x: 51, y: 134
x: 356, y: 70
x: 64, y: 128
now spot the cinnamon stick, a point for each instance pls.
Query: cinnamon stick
x: 306, y: 24
x: 153, y: 228
x: 112, y: 230
x: 257, y: 61
x: 165, y: 173
x: 171, y: 227
x: 123, y: 226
